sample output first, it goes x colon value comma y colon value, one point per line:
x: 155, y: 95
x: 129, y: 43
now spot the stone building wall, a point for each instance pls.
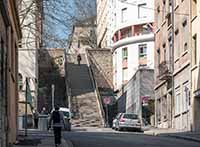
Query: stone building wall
x: 101, y: 63
x: 51, y: 71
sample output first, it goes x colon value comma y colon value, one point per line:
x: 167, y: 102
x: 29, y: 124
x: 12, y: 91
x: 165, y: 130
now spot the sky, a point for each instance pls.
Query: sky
x: 59, y: 17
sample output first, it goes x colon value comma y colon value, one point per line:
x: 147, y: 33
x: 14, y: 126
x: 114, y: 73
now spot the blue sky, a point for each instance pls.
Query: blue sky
x: 59, y: 18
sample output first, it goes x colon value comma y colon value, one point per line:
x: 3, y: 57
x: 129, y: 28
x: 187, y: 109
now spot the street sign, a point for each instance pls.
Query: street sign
x: 106, y: 100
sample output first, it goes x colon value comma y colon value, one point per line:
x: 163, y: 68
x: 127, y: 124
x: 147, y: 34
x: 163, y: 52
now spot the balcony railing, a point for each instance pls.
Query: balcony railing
x: 164, y: 71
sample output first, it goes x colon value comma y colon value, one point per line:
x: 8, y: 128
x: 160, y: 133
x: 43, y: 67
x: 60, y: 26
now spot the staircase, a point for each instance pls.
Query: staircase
x: 84, y: 103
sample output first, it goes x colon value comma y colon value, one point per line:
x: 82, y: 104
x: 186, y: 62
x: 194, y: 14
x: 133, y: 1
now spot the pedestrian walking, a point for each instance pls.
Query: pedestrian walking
x: 58, y: 123
x: 79, y: 59
x: 36, y: 118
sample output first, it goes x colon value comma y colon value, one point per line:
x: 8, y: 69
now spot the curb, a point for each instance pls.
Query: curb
x: 185, y: 138
x: 173, y: 136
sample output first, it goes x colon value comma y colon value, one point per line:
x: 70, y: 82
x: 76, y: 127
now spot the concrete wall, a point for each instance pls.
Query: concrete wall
x: 139, y: 86
x: 101, y: 63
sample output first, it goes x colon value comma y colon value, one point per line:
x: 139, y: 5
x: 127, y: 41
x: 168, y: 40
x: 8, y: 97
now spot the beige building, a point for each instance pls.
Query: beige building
x: 102, y: 23
x: 195, y: 65
x: 172, y: 65
x: 30, y: 13
x: 10, y: 34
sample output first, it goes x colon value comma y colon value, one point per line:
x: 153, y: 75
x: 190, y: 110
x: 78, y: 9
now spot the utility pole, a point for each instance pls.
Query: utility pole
x: 53, y: 92
x: 26, y: 112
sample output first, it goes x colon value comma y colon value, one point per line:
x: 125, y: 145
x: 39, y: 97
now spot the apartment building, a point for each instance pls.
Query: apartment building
x: 172, y: 65
x: 133, y: 46
x: 102, y: 23
x: 195, y: 64
x: 106, y: 22
x: 10, y: 34
x: 30, y: 13
x: 133, y: 39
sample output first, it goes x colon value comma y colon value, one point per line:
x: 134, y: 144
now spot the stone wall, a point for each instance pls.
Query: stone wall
x: 51, y: 71
x: 101, y: 63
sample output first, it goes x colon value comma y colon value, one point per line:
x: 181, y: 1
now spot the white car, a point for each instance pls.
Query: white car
x: 128, y: 121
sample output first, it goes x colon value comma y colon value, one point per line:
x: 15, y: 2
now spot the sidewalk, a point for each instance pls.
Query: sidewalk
x: 190, y: 136
x: 37, y: 138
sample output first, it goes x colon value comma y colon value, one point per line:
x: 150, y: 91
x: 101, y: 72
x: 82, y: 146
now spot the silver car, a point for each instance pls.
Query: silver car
x: 128, y: 121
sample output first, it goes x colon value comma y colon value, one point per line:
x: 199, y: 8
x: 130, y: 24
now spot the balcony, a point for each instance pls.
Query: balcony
x: 164, y: 71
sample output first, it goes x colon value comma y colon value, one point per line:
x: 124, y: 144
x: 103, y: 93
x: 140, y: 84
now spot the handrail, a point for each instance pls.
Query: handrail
x: 102, y: 114
x: 101, y: 70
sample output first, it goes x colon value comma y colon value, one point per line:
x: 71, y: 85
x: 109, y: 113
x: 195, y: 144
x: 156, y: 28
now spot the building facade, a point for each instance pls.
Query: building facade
x: 172, y: 65
x: 30, y: 12
x: 195, y: 64
x: 10, y: 34
x: 102, y: 23
x: 83, y: 36
x: 133, y: 39
x: 106, y: 16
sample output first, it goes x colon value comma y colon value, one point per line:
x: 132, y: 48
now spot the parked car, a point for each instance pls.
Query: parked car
x: 67, y: 117
x: 128, y: 121
x: 115, y: 120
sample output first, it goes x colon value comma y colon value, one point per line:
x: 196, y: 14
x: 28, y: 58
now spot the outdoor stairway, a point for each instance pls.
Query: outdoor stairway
x: 84, y: 103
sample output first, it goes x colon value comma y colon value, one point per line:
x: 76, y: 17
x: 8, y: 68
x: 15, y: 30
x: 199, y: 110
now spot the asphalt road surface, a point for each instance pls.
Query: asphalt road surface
x: 114, y: 139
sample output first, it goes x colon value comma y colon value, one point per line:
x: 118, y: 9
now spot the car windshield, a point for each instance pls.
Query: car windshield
x: 66, y: 114
x: 130, y: 116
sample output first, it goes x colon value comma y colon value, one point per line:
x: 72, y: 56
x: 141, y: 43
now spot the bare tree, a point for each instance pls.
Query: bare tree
x: 51, y: 21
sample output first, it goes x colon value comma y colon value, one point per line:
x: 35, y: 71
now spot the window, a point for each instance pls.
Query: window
x: 158, y: 55
x: 164, y: 52
x: 185, y: 34
x: 142, y: 51
x: 124, y: 75
x: 142, y: 11
x: 158, y: 15
x: 158, y: 110
x: 186, y: 96
x: 163, y: 10
x: 177, y: 101
x: 164, y: 107
x: 177, y: 44
x: 124, y: 15
x: 125, y: 33
x: 124, y: 53
x: 20, y: 82
x: 78, y: 45
x: 194, y: 49
x: 194, y: 8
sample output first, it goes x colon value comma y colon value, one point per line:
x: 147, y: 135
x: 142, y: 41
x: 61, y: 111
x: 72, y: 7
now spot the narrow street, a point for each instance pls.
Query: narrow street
x: 101, y: 138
